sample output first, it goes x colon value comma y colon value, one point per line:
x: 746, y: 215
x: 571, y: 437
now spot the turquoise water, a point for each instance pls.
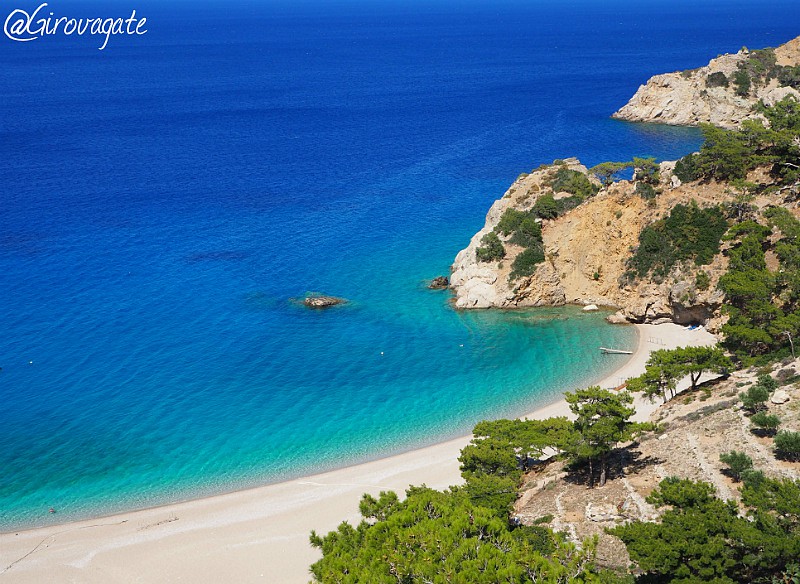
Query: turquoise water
x: 165, y: 199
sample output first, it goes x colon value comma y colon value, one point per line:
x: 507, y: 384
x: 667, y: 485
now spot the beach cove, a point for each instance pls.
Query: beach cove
x: 194, y: 180
x: 259, y: 535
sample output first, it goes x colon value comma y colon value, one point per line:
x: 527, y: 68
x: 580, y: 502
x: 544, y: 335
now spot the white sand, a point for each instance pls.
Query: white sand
x: 257, y: 535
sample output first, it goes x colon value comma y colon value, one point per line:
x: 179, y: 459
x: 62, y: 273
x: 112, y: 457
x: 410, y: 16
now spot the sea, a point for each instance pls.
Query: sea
x: 166, y: 200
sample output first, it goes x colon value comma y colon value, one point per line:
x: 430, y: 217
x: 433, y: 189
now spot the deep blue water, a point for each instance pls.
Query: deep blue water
x: 164, y: 199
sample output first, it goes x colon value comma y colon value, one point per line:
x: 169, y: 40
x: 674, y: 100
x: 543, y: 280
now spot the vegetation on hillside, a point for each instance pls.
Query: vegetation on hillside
x: 729, y: 154
x: 762, y: 304
x: 701, y: 538
x: 434, y: 536
x: 689, y: 233
x: 522, y: 228
x: 464, y: 534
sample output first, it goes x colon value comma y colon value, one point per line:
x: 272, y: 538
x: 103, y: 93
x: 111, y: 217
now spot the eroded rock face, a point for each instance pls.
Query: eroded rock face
x: 487, y: 284
x: 687, y: 98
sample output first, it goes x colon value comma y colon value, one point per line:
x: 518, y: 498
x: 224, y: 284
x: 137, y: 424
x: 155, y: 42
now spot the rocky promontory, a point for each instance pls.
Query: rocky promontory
x: 722, y: 93
x: 586, y: 252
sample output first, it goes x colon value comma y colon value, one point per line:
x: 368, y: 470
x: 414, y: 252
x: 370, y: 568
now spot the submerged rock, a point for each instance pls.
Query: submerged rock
x: 322, y: 301
x: 439, y: 283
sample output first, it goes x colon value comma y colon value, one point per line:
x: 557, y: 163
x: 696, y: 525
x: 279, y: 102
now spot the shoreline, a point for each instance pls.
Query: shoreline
x: 261, y: 534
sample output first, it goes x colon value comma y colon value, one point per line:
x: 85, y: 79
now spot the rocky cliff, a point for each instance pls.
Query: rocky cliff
x: 586, y: 251
x: 722, y: 93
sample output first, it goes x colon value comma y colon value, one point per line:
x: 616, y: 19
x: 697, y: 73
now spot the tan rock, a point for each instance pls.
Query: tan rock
x: 600, y: 512
x: 779, y: 397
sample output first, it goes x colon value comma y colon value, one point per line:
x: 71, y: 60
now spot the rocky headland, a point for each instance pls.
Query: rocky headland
x: 586, y: 252
x: 589, y: 226
x: 722, y: 93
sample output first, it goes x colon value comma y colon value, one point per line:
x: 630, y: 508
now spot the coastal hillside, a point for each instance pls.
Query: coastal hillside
x: 653, y: 240
x: 722, y: 93
x: 696, y: 429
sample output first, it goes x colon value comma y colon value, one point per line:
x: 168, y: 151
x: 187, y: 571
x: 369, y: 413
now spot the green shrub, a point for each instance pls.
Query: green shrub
x: 492, y: 249
x: 524, y: 231
x: 538, y: 538
x: 686, y: 168
x: 545, y: 207
x: 689, y: 233
x: 717, y: 79
x: 790, y: 76
x: 787, y: 445
x: 567, y: 203
x: 528, y: 233
x: 702, y: 280
x: 741, y: 79
x: 753, y: 478
x: 525, y: 263
x: 575, y: 182
x: 737, y: 463
x: 646, y: 191
x: 755, y: 398
x: 767, y: 382
x: 510, y: 221
x: 765, y: 422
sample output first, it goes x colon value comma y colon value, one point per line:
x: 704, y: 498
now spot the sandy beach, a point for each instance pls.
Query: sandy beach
x: 261, y: 534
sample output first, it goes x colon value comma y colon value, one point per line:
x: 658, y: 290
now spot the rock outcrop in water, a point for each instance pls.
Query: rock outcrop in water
x: 439, y: 283
x: 319, y: 301
x: 722, y: 93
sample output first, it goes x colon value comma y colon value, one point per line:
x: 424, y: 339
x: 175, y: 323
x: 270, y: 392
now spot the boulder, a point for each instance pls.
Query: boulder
x: 617, y: 318
x: 439, y: 283
x: 590, y: 308
x: 322, y: 301
x: 779, y: 397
